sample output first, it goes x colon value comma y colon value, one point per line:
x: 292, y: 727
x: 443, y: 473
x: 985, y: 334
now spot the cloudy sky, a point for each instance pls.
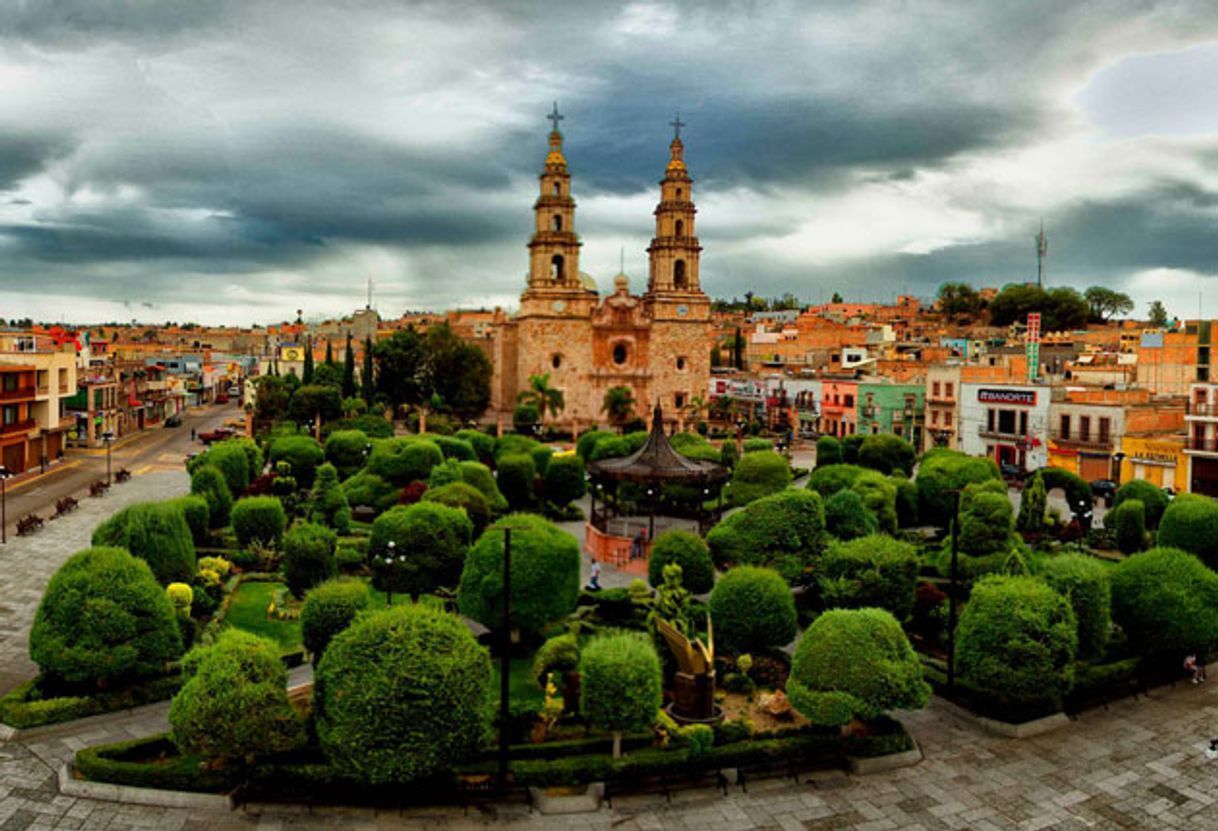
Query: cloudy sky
x: 236, y: 160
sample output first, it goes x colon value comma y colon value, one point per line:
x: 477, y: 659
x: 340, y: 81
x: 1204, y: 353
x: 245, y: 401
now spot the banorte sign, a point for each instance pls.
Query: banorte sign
x: 1022, y: 398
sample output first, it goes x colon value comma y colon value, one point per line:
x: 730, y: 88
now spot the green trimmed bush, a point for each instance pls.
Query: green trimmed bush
x: 828, y: 451
x: 1166, y: 600
x: 404, y: 460
x: 1154, y: 500
x: 1129, y: 521
x: 513, y: 443
x: 752, y: 609
x: 850, y: 447
x: 479, y: 476
x: 328, y: 502
x: 194, y: 511
x: 829, y: 479
x: 517, y: 473
x: 443, y: 474
x: 587, y: 441
x: 308, y: 556
x: 232, y: 460
x: 689, y: 552
x: 847, y: 517
x: 564, y: 480
x: 939, y: 473
x: 467, y: 498
x: 729, y: 455
x: 855, y: 663
x: 434, y: 539
x: 782, y: 531
x: 453, y: 447
x: 759, y: 474
x: 482, y: 443
x: 985, y: 524
x: 209, y: 482
x: 157, y: 533
x: 524, y: 418
x: 875, y: 570
x: 558, y: 654
x: 402, y: 694
x: 906, y: 502
x: 1084, y: 581
x: 234, y: 705
x: 1076, y: 488
x: 303, y: 453
x: 369, y: 490
x: 260, y: 518
x: 104, y: 618
x: 757, y: 444
x: 878, y: 492
x: 544, y: 570
x: 345, y: 450
x: 329, y: 608
x: 887, y: 453
x: 610, y: 447
x: 621, y: 683
x: 1032, y: 505
x: 1190, y: 524
x: 1016, y: 642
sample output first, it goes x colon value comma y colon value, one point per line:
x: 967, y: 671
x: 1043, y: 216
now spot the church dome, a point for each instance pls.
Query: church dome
x: 586, y: 280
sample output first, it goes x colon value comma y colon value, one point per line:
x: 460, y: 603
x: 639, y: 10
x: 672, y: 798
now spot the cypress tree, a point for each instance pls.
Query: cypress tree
x: 349, y: 370
x: 329, y: 353
x: 366, y: 375
x: 307, y: 373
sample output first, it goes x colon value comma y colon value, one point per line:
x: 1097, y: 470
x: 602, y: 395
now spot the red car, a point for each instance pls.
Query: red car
x: 219, y: 434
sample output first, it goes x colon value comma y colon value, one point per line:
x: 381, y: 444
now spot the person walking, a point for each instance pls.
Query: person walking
x: 594, y: 580
x: 1194, y: 668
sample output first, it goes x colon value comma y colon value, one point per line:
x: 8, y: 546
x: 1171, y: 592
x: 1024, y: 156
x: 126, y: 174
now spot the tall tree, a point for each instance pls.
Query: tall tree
x: 738, y: 349
x: 456, y: 371
x: 618, y: 406
x: 367, y: 376
x: 959, y: 299
x: 307, y: 372
x: 1106, y: 303
x: 399, y: 367
x: 1158, y: 314
x: 541, y: 395
x: 330, y: 354
x: 349, y: 370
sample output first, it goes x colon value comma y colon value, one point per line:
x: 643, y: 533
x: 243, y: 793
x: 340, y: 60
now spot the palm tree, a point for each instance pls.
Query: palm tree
x: 542, y: 396
x: 619, y: 406
x: 695, y: 408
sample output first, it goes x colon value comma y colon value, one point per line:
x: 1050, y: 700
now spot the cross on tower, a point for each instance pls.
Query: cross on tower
x: 555, y: 117
x: 677, y: 124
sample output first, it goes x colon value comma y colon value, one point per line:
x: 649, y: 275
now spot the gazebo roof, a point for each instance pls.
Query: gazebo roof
x: 658, y: 461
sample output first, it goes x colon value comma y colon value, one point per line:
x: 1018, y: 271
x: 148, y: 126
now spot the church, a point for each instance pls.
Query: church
x: 657, y: 343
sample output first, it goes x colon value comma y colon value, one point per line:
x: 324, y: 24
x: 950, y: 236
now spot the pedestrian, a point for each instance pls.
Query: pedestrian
x: 192, y: 434
x: 636, y: 546
x: 1194, y: 668
x: 1211, y: 752
x: 594, y: 581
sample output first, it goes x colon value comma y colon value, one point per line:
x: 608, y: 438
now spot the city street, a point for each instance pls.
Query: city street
x: 159, y: 448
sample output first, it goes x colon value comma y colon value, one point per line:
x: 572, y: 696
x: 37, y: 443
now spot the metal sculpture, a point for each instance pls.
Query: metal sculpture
x: 694, y: 682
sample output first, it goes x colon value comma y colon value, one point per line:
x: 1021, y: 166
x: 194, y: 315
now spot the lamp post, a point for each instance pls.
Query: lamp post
x: 505, y: 658
x: 391, y: 563
x: 951, y: 597
x: 1119, y: 458
x: 108, y: 439
x: 4, y: 474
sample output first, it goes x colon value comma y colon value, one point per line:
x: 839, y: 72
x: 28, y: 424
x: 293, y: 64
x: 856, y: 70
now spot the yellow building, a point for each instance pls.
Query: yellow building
x: 1159, y: 460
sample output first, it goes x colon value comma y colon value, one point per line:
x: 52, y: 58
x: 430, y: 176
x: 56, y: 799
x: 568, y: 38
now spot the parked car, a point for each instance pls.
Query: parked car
x: 174, y: 420
x: 1104, y: 489
x: 1012, y: 473
x: 219, y: 434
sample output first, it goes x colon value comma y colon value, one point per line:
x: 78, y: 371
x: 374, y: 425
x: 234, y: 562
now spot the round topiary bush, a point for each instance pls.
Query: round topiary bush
x: 855, y: 663
x: 1016, y: 643
x: 689, y: 552
x: 479, y: 476
x: 516, y: 474
x: 876, y: 570
x: 1129, y: 521
x: 558, y: 654
x: 564, y: 480
x: 328, y: 502
x: 906, y: 502
x: 308, y: 556
x: 752, y: 609
x: 1085, y: 583
x: 467, y: 498
x: 259, y: 519
x: 329, y: 608
x: 209, y: 483
x: 104, y: 618
x: 1166, y: 600
x: 431, y: 536
x: 828, y: 451
x: 345, y: 449
x: 194, y: 511
x: 1190, y: 524
x: 454, y: 447
x: 940, y: 472
x: 402, y: 694
x: 621, y: 683
x: 232, y: 460
x: 887, y: 453
x: 404, y: 460
x: 759, y: 474
x: 482, y: 443
x: 847, y: 517
x: 157, y: 533
x: 544, y: 572
x: 234, y: 705
x: 1154, y: 500
x: 588, y: 440
x: 303, y: 453
x: 985, y: 524
x: 369, y: 490
x: 783, y: 531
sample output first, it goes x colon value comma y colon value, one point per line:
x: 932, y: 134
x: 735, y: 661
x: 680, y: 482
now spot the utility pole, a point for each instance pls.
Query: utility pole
x: 1042, y: 250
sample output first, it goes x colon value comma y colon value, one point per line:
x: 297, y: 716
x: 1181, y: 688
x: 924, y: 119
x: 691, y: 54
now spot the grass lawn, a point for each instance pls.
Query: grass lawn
x: 522, y: 689
x: 248, y: 611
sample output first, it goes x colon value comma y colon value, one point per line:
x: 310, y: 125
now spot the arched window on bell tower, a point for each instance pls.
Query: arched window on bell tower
x: 678, y: 275
x: 680, y: 227
x: 556, y: 268
x: 556, y: 223
x: 558, y: 188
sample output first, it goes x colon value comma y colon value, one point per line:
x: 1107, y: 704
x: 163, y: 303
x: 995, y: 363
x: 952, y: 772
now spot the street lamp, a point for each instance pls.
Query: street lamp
x: 108, y: 439
x: 390, y: 572
x: 4, y: 474
x: 951, y: 598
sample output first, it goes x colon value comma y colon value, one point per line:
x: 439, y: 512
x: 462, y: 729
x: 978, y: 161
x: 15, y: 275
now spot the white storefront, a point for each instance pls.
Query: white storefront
x: 1006, y: 422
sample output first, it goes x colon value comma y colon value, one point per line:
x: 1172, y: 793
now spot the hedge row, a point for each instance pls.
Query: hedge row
x: 24, y: 707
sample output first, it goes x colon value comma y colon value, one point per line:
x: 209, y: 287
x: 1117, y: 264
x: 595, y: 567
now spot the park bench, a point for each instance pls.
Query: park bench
x: 65, y: 505
x: 98, y: 488
x: 122, y: 475
x: 28, y: 524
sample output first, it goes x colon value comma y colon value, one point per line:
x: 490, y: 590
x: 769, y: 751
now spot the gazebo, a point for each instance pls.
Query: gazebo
x: 652, y: 468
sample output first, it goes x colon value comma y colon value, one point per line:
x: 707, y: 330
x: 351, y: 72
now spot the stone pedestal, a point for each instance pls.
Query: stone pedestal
x: 694, y: 698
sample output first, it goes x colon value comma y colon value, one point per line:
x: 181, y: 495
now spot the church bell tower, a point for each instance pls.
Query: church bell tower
x: 673, y: 287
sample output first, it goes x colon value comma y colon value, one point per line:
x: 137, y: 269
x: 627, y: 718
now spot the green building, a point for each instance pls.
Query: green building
x: 891, y: 408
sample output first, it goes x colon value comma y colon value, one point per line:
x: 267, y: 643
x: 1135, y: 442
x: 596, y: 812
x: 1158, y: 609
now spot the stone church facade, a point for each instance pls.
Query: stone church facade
x: 657, y: 343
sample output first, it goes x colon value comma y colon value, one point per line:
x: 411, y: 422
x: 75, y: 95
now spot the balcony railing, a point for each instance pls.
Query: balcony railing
x: 19, y: 394
x: 1195, y: 409
x: 1202, y: 445
x: 1073, y: 437
x: 987, y: 433
x: 23, y: 426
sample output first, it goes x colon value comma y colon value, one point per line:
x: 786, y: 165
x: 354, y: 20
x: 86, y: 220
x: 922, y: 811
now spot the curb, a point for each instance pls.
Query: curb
x: 128, y: 795
x: 867, y: 765
x: 1006, y: 729
x: 25, y: 734
x: 587, y: 802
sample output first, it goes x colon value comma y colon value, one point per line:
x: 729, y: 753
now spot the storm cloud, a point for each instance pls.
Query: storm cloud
x: 234, y: 161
